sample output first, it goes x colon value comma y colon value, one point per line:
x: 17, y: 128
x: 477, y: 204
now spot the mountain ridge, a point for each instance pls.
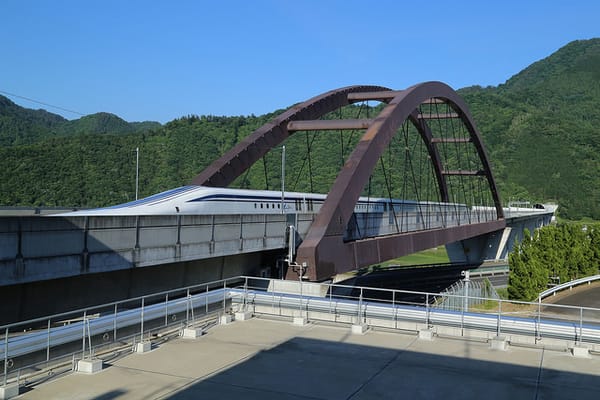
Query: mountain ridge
x: 23, y: 126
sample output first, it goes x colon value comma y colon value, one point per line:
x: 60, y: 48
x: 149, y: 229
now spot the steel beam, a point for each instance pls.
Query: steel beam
x: 380, y: 96
x: 464, y: 173
x: 451, y: 140
x: 329, y: 124
x: 338, y: 256
x: 438, y: 116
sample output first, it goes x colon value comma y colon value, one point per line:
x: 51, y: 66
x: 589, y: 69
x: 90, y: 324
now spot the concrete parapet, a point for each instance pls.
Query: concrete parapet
x: 359, y: 329
x: 300, y: 321
x: 143, y: 347
x: 225, y: 319
x: 89, y: 366
x: 425, y: 334
x: 243, y: 315
x: 499, y: 343
x: 192, y: 333
x: 9, y: 391
x: 580, y: 351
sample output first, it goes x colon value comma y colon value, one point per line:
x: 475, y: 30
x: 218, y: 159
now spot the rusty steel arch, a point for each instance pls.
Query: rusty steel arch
x: 242, y: 156
x: 323, y: 252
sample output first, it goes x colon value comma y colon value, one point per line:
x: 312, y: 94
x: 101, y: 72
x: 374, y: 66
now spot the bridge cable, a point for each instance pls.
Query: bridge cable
x: 443, y: 130
x: 420, y: 144
x: 460, y: 163
x: 472, y: 182
x: 308, y: 147
x: 413, y: 177
x: 405, y: 177
x: 265, y: 170
x: 389, y: 190
x: 341, y: 140
x: 299, y: 173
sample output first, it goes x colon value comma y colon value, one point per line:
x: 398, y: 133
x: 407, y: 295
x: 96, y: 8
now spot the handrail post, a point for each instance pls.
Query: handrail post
x: 48, y: 344
x: 580, y: 324
x: 394, y: 308
x: 83, y: 335
x: 245, y: 303
x: 538, y: 334
x: 360, y: 300
x: 142, y: 322
x: 206, y: 301
x: 167, y: 309
x: 187, y: 308
x: 5, y: 355
x: 427, y: 310
x: 224, y: 290
x: 115, y: 325
x: 498, y: 329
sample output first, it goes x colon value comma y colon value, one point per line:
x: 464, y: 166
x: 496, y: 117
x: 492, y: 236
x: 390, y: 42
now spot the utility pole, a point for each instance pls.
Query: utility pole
x: 282, y: 179
x: 137, y: 171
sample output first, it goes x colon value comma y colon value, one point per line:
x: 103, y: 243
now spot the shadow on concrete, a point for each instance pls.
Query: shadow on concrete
x: 113, y: 394
x: 316, y: 369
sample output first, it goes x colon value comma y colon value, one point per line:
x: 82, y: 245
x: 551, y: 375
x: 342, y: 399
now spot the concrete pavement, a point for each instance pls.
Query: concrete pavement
x: 266, y: 359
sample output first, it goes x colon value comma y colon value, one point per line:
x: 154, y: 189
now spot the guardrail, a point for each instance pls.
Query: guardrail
x: 570, y: 285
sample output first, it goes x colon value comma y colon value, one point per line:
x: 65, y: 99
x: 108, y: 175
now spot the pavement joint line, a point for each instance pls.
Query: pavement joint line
x: 539, y: 377
x: 148, y: 371
x: 266, y: 390
x: 387, y: 364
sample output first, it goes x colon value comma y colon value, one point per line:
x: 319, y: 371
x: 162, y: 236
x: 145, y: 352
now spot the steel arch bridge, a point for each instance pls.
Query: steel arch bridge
x: 428, y: 109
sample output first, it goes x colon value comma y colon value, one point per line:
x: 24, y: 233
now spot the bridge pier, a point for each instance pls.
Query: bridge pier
x: 498, y: 244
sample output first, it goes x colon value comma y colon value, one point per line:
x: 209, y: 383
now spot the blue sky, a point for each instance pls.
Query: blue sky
x: 160, y: 60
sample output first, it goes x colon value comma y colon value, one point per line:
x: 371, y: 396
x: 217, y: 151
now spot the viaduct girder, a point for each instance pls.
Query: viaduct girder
x: 324, y: 252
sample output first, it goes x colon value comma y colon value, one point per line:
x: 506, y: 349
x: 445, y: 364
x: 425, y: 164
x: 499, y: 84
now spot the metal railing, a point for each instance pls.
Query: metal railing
x: 33, y: 348
x: 528, y: 322
x: 553, y: 290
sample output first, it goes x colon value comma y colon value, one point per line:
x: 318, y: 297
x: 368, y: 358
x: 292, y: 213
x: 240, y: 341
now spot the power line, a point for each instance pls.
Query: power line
x: 41, y: 102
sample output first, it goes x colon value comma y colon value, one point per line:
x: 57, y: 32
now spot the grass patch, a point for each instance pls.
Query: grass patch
x: 436, y: 255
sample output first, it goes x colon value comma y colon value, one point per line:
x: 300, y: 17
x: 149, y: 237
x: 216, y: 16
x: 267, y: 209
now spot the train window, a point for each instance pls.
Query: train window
x: 261, y: 205
x: 255, y: 205
x: 267, y: 205
x: 278, y: 205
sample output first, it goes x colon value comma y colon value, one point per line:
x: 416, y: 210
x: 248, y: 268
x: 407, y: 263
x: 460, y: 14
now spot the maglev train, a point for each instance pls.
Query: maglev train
x: 202, y: 200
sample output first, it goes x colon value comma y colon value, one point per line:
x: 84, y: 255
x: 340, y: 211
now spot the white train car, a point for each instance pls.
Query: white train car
x: 200, y: 200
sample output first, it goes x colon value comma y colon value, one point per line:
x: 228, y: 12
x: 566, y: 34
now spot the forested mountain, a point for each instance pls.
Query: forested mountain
x: 541, y: 129
x: 21, y: 126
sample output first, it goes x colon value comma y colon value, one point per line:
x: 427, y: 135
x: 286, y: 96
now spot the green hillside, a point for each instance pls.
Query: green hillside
x: 22, y: 126
x: 541, y: 129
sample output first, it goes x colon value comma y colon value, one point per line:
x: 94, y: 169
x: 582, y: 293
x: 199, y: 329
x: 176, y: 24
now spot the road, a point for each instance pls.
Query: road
x: 581, y: 296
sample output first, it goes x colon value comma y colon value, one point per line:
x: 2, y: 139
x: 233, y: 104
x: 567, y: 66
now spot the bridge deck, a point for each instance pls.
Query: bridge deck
x: 265, y: 359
